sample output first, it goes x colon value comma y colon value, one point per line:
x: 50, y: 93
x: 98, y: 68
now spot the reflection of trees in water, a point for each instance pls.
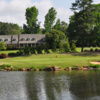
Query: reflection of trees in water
x: 85, y: 84
x: 46, y: 85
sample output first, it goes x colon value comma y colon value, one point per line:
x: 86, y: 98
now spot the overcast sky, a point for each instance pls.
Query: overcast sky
x: 13, y: 11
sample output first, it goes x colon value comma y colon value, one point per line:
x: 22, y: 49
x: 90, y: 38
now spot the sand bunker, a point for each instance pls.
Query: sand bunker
x: 95, y: 62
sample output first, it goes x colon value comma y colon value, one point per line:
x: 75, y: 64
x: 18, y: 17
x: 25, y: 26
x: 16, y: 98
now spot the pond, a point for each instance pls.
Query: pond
x: 58, y: 85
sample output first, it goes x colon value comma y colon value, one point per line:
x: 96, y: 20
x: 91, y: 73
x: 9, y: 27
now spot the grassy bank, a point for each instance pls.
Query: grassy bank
x: 45, y: 60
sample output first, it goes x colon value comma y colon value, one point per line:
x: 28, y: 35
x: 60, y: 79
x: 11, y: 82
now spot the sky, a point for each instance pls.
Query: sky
x: 13, y: 11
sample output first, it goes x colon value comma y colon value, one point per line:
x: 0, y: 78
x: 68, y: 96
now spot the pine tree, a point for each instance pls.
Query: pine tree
x: 84, y: 18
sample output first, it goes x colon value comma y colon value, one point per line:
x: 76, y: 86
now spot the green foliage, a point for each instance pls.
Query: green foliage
x: 73, y: 47
x: 94, y: 65
x: 27, y: 50
x: 83, y: 19
x: 54, y: 49
x: 46, y: 48
x: 57, y: 26
x: 4, y: 66
x: 32, y: 27
x: 67, y: 47
x: 39, y: 49
x: 61, y: 47
x: 9, y: 29
x: 55, y: 36
x: 12, y: 54
x: 2, y: 46
x: 49, y: 19
x: 10, y: 47
x: 32, y: 49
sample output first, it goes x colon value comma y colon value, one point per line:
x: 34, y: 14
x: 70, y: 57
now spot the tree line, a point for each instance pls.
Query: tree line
x: 82, y: 30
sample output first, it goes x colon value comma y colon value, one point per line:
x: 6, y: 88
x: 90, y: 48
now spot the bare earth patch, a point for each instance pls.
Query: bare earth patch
x: 95, y: 62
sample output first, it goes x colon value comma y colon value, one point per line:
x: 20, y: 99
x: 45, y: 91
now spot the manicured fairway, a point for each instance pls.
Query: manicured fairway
x: 44, y: 60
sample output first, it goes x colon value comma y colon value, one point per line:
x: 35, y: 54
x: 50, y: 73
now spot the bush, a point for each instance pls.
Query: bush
x: 5, y: 66
x: 2, y: 46
x: 10, y: 47
x: 20, y: 53
x: 96, y: 49
x: 12, y: 54
x: 67, y: 47
x: 33, y: 50
x: 86, y: 50
x: 73, y: 47
x: 27, y: 50
x: 94, y: 65
x: 46, y: 48
x: 91, y: 49
x: 39, y: 49
x: 3, y: 55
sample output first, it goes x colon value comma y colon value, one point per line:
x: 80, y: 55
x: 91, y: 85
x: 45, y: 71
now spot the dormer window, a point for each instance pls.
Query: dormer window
x: 1, y: 39
x: 28, y: 39
x: 34, y: 39
x: 14, y: 39
x: 23, y: 39
x: 6, y: 39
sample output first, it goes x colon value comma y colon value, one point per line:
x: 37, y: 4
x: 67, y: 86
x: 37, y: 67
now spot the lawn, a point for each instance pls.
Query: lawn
x: 45, y: 60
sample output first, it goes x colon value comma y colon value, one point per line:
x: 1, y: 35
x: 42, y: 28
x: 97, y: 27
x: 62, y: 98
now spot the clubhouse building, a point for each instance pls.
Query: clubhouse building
x: 23, y: 39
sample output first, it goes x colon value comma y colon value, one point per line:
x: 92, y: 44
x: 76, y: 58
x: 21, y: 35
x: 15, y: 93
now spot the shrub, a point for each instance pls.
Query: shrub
x: 91, y: 49
x: 33, y: 50
x: 46, y: 48
x: 73, y: 47
x: 3, y: 55
x: 12, y: 54
x: 94, y: 65
x: 96, y: 49
x: 67, y: 47
x: 5, y: 66
x: 86, y: 50
x: 27, y: 50
x: 2, y: 46
x: 20, y: 53
x: 39, y: 49
x: 10, y: 47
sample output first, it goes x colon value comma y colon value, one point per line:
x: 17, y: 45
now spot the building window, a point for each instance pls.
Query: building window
x: 34, y: 39
x: 1, y: 39
x: 23, y: 39
x: 14, y: 39
x: 28, y: 39
x: 7, y: 39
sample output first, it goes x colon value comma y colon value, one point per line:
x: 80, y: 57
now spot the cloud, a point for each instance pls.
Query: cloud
x: 64, y: 14
x: 14, y: 11
x: 96, y: 1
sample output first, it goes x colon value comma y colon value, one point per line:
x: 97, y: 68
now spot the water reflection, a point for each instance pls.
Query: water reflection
x: 63, y: 85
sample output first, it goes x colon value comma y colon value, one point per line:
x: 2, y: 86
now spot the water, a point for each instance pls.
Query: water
x: 62, y: 85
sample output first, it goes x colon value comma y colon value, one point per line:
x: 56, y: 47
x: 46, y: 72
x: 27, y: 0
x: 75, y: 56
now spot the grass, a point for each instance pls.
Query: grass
x: 9, y: 51
x: 45, y: 60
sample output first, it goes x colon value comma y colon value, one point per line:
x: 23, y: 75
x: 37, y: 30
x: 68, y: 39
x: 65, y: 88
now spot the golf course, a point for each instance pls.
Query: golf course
x: 62, y: 60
